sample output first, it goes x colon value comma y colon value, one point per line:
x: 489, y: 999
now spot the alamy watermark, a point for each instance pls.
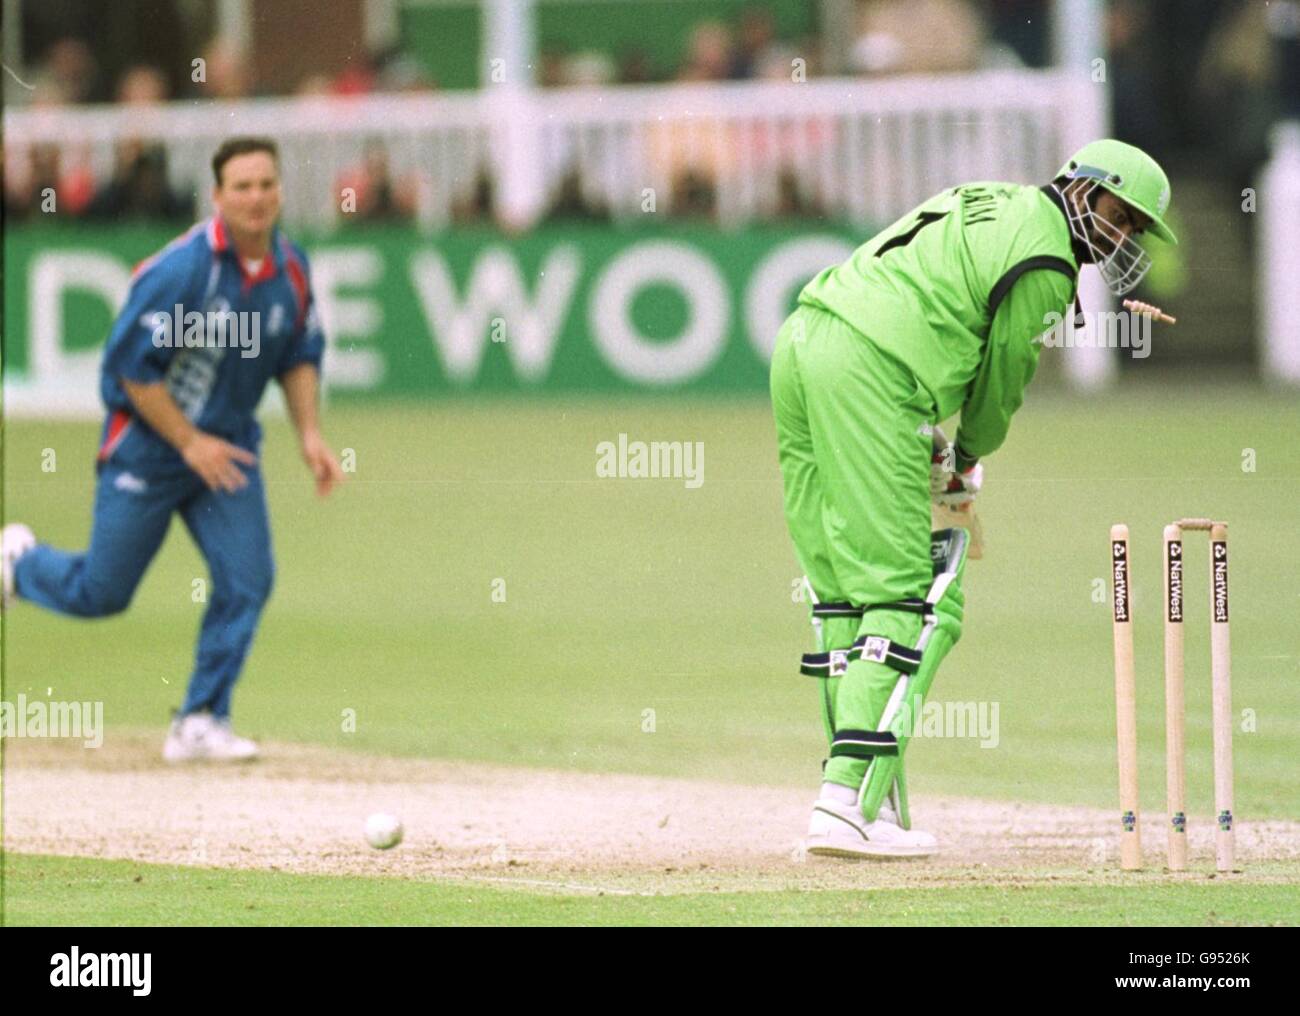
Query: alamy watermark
x: 212, y: 329
x: 1099, y: 329
x: 644, y: 460
x: 950, y: 719
x: 77, y: 969
x: 50, y: 718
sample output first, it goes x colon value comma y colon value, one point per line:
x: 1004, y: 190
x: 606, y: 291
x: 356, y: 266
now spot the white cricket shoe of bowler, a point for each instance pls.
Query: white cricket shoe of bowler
x: 201, y: 738
x: 15, y: 541
x: 224, y: 745
x: 837, y: 829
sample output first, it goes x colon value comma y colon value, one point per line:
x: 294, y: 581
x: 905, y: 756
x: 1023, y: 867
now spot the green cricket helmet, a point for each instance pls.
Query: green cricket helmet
x: 1136, y: 179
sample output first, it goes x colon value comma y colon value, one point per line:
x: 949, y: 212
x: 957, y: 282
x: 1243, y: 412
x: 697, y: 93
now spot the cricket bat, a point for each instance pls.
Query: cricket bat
x: 942, y: 517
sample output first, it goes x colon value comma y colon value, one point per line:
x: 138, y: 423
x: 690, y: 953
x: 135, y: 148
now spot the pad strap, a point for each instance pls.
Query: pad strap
x: 910, y: 605
x: 875, y: 648
x: 831, y: 664
x: 863, y: 744
x: 838, y: 609
x: 945, y: 546
x: 879, y: 649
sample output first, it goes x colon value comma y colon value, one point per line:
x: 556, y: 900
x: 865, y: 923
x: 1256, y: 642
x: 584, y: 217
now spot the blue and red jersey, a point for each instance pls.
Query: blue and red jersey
x: 199, y: 278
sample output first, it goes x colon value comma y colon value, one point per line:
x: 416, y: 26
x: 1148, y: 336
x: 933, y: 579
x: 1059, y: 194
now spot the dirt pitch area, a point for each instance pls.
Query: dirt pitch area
x: 301, y: 809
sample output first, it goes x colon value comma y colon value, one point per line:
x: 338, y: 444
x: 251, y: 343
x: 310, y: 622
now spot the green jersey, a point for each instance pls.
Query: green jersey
x: 959, y: 290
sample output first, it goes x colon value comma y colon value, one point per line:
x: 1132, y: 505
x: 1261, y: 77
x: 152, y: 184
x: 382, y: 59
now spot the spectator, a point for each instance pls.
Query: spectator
x: 403, y: 73
x: 1021, y: 26
x: 709, y: 54
x: 917, y: 37
x: 694, y: 196
x: 550, y: 68
x: 791, y: 200
x: 589, y: 69
x: 686, y: 149
x: 226, y: 73
x: 379, y: 198
x: 139, y: 187
x: 315, y: 85
x: 476, y: 204
x: 1237, y: 83
x: 28, y: 187
x: 142, y: 86
x: 1137, y: 108
x: 777, y: 62
x: 73, y: 68
x: 570, y: 203
x: 634, y: 67
x: 357, y: 78
x: 755, y: 37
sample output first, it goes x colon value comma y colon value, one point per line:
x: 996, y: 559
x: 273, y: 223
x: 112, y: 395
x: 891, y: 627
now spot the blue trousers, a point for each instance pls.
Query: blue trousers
x: 133, y: 509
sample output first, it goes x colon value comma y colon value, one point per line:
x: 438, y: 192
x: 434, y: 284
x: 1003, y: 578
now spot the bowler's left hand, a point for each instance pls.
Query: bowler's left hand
x: 322, y: 462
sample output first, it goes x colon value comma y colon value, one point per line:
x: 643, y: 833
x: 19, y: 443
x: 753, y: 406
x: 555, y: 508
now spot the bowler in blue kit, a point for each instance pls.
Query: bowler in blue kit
x: 208, y: 322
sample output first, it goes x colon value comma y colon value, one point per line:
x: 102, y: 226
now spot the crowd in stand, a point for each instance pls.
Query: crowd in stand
x: 1222, y: 74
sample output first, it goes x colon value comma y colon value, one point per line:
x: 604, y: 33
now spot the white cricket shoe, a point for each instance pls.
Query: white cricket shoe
x: 15, y: 541
x: 201, y: 738
x: 839, y: 830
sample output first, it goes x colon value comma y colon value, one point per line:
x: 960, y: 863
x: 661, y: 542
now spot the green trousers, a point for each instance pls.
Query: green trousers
x: 854, y: 438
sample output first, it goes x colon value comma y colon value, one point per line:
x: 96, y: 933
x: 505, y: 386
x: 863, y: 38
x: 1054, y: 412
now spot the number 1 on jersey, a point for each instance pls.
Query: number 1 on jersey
x: 922, y: 220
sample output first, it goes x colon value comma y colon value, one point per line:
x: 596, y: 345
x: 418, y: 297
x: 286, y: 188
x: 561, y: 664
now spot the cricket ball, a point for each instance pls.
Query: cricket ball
x: 383, y: 830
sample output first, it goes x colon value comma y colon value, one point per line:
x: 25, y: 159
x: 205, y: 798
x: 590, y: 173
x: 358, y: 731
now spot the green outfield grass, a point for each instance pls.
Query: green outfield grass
x: 80, y: 891
x: 627, y: 595
x: 623, y: 596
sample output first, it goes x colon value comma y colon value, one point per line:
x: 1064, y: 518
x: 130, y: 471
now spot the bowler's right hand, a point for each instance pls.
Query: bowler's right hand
x: 215, y: 461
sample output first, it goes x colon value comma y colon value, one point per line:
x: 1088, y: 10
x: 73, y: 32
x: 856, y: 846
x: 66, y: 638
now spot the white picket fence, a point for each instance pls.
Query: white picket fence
x: 866, y: 150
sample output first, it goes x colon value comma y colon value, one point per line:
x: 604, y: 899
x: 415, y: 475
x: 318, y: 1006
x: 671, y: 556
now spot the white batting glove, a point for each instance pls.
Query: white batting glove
x: 941, y: 470
x: 961, y: 488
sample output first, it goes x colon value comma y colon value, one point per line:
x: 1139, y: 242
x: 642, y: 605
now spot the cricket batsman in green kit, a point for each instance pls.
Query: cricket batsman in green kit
x: 941, y: 312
